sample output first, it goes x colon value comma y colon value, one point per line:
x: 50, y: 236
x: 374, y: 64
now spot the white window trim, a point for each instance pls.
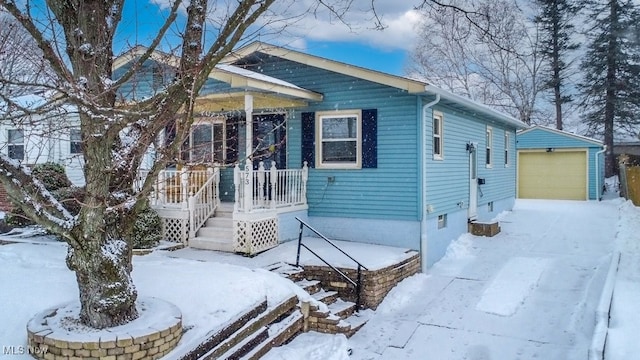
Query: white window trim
x: 489, y: 147
x: 23, y: 144
x: 320, y: 115
x: 507, y: 148
x: 440, y: 117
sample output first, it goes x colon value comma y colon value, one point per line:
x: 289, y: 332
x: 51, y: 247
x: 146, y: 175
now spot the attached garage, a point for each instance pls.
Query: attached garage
x: 554, y: 164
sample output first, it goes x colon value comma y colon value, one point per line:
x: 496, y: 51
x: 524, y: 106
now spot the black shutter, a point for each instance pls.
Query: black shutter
x: 370, y: 138
x: 232, y: 139
x: 309, y: 138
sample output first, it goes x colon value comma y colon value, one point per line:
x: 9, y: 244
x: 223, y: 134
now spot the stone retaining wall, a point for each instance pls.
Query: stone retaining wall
x: 375, y: 283
x: 126, y: 342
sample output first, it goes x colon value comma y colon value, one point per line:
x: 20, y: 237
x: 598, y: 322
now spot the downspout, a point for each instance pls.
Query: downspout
x: 598, y: 172
x: 423, y: 221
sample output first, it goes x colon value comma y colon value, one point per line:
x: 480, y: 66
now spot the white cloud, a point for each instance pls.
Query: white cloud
x: 294, y: 22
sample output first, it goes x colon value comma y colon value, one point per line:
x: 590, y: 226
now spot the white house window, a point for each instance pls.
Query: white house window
x: 506, y: 148
x: 15, y: 139
x: 339, y: 140
x: 206, y: 142
x: 489, y: 146
x: 437, y: 136
x: 75, y: 141
x: 442, y: 221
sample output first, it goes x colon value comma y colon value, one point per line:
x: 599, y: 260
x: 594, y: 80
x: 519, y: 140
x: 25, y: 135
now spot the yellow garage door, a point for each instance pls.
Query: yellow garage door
x: 552, y: 175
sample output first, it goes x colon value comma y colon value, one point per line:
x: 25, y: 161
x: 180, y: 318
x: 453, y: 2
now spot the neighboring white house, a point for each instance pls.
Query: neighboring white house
x: 51, y: 137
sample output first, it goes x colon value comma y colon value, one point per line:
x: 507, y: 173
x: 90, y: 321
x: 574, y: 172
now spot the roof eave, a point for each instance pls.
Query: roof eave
x: 409, y: 85
x: 472, y: 105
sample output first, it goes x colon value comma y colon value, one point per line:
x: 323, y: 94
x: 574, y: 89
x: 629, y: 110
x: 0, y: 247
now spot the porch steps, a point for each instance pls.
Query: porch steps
x: 251, y: 334
x: 336, y: 316
x: 217, y: 233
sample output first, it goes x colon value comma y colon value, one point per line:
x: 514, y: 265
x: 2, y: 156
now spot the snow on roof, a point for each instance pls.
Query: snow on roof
x: 254, y: 75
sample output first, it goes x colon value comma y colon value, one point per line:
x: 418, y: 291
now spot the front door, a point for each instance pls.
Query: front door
x: 473, y: 182
x: 270, y: 140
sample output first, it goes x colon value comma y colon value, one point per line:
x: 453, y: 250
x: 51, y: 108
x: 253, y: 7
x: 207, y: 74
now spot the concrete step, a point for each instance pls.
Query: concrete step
x: 357, y: 321
x: 223, y: 222
x: 222, y: 233
x: 342, y: 308
x: 225, y: 209
x: 310, y: 286
x: 327, y: 297
x: 205, y: 243
x: 279, y: 334
x: 251, y: 331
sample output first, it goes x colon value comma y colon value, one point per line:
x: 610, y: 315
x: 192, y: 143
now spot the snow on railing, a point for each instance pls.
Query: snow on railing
x: 269, y: 188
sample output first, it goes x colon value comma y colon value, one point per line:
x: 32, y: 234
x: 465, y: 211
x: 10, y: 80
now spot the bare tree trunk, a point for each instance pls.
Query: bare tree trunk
x: 103, y: 272
x: 611, y: 81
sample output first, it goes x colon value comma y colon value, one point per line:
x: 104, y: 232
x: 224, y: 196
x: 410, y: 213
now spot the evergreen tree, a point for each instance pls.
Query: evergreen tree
x: 556, y: 33
x: 611, y: 69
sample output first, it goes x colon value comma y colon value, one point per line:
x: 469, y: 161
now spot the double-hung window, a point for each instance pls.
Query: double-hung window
x: 15, y: 140
x: 206, y: 142
x: 75, y: 141
x: 437, y: 136
x: 489, y: 146
x: 339, y: 139
x: 506, y: 148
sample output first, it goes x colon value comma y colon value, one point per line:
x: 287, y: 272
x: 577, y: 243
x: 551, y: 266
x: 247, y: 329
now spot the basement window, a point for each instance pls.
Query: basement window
x: 442, y: 221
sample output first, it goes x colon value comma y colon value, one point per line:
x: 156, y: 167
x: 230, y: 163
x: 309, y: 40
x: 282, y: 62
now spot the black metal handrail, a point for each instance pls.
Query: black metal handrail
x: 357, y: 284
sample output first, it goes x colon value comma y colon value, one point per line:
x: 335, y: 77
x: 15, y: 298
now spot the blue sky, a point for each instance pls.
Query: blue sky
x: 318, y: 34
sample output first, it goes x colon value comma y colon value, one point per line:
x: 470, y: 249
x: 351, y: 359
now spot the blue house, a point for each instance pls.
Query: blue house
x: 358, y: 154
x: 554, y: 164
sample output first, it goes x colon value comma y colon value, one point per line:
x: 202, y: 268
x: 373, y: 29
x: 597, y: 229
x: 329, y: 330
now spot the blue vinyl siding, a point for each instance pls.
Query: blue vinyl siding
x: 541, y: 138
x: 448, y: 179
x: 389, y: 191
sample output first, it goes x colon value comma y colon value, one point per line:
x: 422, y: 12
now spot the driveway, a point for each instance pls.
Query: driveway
x: 529, y: 292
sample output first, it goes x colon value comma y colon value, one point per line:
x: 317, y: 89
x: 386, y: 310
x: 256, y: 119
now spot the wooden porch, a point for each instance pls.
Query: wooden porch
x: 188, y: 201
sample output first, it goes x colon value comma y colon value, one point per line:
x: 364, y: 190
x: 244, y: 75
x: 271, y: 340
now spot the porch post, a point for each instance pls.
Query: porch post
x: 248, y: 183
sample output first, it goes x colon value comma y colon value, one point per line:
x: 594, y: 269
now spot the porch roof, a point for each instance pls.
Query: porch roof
x: 268, y: 92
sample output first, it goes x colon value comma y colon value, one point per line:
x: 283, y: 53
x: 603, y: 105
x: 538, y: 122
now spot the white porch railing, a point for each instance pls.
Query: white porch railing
x: 184, y: 199
x: 269, y: 189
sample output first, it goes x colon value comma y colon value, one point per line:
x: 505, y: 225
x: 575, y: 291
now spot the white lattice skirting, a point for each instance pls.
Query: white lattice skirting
x: 175, y: 225
x: 251, y: 236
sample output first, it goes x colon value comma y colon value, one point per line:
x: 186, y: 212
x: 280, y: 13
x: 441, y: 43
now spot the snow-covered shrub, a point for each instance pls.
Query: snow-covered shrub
x: 147, y: 230
x: 17, y: 218
x: 71, y: 198
x: 52, y: 175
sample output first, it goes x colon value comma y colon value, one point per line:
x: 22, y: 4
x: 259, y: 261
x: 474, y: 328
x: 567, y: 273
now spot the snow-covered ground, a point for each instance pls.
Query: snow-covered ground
x: 529, y: 292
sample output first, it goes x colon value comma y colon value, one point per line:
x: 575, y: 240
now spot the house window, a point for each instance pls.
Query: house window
x: 442, y: 221
x: 157, y: 77
x: 437, y: 136
x: 15, y: 141
x: 339, y: 140
x: 506, y: 148
x: 206, y: 142
x: 75, y: 141
x: 489, y: 145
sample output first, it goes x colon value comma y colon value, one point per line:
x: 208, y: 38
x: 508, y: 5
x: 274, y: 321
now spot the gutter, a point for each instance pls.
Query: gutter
x: 423, y: 221
x: 598, y: 194
x: 474, y: 106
